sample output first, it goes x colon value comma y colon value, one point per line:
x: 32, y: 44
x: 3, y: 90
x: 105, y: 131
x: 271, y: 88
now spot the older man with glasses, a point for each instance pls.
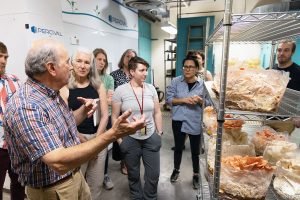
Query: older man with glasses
x: 41, y: 132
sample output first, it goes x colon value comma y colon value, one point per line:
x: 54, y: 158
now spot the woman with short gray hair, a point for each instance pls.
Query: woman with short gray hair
x: 85, y: 82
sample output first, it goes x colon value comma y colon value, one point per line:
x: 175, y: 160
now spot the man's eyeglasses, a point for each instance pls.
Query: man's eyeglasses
x: 188, y: 67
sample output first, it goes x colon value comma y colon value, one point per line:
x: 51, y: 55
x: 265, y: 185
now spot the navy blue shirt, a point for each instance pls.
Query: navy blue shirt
x: 294, y: 71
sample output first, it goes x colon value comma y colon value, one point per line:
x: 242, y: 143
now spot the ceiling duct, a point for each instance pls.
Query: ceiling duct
x: 156, y: 14
x: 144, y: 4
x: 162, y: 12
x: 149, y: 15
x: 281, y: 6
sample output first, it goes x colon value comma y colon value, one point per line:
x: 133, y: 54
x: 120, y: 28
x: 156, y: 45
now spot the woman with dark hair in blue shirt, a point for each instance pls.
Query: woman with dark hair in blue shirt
x: 185, y: 96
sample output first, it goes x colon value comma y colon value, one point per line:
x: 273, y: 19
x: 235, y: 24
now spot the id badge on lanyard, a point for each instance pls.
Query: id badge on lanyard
x: 141, y: 106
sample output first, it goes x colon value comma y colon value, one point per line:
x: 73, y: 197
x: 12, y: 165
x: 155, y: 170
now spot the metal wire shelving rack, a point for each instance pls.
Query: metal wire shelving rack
x: 259, y: 27
x: 250, y: 28
x: 288, y: 108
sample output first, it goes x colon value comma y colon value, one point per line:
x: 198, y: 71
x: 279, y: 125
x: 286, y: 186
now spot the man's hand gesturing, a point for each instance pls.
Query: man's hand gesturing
x: 90, y: 105
x: 122, y: 127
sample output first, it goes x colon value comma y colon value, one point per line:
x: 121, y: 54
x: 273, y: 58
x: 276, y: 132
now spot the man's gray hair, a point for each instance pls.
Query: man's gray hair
x: 39, y: 56
x: 289, y: 41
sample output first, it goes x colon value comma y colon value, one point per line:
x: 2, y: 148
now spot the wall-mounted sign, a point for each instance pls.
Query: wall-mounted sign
x: 35, y: 29
x: 116, y: 20
x: 105, y: 15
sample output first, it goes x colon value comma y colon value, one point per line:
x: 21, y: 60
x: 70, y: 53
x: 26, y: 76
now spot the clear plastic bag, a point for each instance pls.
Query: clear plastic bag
x: 245, y: 183
x: 210, y: 120
x: 264, y: 136
x: 287, y: 179
x: 228, y: 149
x: 277, y: 150
x: 254, y: 90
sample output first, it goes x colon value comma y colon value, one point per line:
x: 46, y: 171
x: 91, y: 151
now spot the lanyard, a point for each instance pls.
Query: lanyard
x: 141, y: 106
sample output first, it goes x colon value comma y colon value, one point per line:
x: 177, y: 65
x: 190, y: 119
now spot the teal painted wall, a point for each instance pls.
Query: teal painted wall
x: 296, y: 56
x: 265, y: 55
x: 183, y: 27
x: 144, y: 50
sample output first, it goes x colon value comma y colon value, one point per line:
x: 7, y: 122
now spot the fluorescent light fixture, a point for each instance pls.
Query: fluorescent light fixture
x: 169, y: 27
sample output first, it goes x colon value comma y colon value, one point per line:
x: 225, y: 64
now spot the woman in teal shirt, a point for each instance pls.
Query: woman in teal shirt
x: 108, y: 81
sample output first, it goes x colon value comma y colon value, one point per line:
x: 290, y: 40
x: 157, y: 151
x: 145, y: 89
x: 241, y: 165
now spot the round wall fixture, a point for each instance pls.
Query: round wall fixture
x: 144, y: 4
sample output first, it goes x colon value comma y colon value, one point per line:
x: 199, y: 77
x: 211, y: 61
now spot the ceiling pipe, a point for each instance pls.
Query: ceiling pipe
x: 148, y: 15
x: 275, y: 6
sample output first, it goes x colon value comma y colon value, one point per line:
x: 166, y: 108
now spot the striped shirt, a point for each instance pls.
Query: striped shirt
x: 8, y: 85
x: 39, y: 122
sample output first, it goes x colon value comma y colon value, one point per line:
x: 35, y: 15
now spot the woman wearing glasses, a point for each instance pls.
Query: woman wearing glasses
x: 85, y: 82
x: 184, y: 95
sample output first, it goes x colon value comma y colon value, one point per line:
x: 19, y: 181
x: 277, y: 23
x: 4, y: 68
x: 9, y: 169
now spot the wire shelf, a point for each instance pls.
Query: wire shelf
x: 288, y: 108
x: 271, y: 193
x: 205, y: 194
x: 252, y: 28
x: 260, y: 27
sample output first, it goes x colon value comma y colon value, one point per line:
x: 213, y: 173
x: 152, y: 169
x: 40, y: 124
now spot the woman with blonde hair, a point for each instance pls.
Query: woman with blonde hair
x: 184, y: 95
x: 122, y: 75
x: 108, y: 82
x: 85, y: 82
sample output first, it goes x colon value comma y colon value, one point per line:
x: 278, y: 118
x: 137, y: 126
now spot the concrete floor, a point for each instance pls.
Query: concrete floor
x: 182, y: 190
